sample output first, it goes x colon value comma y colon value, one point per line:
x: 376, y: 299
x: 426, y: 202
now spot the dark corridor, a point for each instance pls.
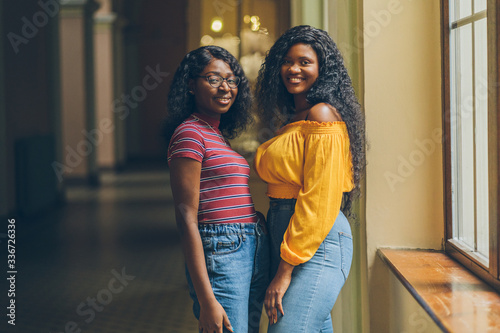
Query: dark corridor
x: 107, y: 261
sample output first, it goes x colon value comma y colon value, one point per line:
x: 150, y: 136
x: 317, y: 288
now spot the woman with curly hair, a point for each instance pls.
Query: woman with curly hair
x: 223, y: 239
x: 313, y: 168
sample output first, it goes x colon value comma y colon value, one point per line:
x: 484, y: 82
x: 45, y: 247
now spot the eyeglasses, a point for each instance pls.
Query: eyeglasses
x: 216, y: 80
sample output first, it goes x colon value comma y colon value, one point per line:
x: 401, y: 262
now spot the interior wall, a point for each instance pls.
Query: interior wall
x: 4, y: 193
x: 406, y: 315
x: 77, y: 147
x: 25, y: 72
x: 299, y: 14
x: 404, y: 181
x: 130, y: 10
x: 160, y: 46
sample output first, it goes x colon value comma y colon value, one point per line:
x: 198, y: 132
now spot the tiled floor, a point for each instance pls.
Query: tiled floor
x: 108, y: 261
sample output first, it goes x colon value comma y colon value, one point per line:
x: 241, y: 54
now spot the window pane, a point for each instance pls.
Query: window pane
x: 463, y: 133
x: 481, y: 130
x: 460, y: 9
x: 479, y: 5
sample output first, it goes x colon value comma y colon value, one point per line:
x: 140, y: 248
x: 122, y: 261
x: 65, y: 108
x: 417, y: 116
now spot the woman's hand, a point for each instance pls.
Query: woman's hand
x: 212, y: 318
x: 276, y: 291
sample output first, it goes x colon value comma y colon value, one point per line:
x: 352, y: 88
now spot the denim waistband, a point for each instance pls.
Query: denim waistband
x: 282, y: 204
x: 227, y: 228
x: 278, y: 201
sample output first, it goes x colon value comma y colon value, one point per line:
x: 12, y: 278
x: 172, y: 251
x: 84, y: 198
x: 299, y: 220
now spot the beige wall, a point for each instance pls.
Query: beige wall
x: 406, y: 315
x: 404, y: 185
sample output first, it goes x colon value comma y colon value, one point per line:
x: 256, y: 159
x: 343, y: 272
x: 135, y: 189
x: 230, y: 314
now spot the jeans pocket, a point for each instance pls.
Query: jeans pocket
x: 346, y: 249
x: 226, y: 244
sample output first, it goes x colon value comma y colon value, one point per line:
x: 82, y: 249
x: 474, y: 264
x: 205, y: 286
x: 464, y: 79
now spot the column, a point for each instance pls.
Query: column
x: 310, y: 12
x: 105, y: 134
x: 119, y: 86
x: 79, y: 139
x: 54, y: 90
x: 343, y: 22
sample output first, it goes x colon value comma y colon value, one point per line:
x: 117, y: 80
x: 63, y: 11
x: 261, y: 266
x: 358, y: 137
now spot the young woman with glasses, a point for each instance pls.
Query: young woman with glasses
x: 223, y: 239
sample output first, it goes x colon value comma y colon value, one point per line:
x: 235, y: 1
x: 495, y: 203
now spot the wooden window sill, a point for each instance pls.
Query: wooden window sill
x: 454, y: 298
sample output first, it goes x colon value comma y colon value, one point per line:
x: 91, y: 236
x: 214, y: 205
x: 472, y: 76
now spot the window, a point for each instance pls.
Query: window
x: 471, y: 121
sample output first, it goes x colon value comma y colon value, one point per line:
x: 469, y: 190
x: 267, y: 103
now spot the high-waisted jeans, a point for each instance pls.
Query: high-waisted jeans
x: 237, y: 259
x: 316, y: 283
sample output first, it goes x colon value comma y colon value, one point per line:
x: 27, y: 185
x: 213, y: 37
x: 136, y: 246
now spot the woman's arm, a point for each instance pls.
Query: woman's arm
x: 185, y: 183
x: 327, y: 175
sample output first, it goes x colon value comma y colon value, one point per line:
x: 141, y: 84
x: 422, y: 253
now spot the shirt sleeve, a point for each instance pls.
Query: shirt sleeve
x: 187, y: 141
x: 327, y: 164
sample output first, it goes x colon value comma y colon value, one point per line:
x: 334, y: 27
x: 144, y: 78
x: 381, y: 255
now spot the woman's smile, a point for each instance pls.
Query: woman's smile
x: 295, y: 79
x: 224, y: 100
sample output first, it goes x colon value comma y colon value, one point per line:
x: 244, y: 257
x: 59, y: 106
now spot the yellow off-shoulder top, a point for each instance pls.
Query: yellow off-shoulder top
x: 311, y: 162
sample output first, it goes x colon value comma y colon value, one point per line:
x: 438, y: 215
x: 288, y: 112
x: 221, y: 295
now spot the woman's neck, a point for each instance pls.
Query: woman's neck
x: 211, y: 115
x: 301, y: 103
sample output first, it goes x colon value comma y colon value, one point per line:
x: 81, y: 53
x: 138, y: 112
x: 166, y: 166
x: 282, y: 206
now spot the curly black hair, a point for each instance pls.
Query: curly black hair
x: 181, y: 104
x: 333, y: 86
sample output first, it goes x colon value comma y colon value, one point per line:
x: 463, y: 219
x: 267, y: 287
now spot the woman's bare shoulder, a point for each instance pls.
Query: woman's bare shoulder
x: 323, y: 112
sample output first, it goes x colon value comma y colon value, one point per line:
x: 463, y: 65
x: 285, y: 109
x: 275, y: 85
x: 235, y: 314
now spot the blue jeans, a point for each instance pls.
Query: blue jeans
x: 237, y: 259
x: 316, y: 283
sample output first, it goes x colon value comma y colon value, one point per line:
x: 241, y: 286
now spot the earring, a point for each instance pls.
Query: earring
x: 191, y: 92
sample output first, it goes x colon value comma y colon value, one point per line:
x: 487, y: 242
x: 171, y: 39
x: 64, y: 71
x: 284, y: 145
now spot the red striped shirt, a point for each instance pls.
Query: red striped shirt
x: 224, y: 192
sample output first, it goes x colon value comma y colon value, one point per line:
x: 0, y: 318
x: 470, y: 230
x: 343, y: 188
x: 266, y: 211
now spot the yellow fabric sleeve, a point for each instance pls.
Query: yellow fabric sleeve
x: 326, y: 165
